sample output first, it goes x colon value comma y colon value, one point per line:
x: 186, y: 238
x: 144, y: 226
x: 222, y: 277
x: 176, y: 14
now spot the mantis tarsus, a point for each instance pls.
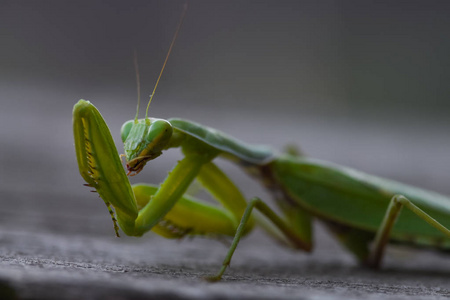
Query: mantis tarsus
x: 363, y: 211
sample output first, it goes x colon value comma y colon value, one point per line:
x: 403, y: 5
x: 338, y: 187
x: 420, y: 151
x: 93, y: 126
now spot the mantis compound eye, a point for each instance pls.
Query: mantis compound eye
x: 158, y: 136
x: 125, y: 130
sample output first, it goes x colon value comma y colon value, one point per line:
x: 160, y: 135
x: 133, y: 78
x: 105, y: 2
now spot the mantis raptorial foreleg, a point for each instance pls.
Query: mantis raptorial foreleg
x: 189, y: 216
x: 169, y: 192
x: 101, y: 167
x: 392, y: 213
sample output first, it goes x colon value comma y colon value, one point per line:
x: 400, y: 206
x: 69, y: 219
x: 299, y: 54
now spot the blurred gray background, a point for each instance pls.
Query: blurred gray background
x: 359, y: 83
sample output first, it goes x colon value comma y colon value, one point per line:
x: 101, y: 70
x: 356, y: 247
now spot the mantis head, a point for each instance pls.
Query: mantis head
x: 144, y: 140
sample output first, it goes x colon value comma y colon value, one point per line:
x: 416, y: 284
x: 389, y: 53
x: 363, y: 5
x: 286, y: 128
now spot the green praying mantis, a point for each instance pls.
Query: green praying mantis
x: 362, y: 211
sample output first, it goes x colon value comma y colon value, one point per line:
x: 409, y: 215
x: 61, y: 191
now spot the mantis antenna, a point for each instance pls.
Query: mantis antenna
x: 165, y: 61
x: 138, y: 83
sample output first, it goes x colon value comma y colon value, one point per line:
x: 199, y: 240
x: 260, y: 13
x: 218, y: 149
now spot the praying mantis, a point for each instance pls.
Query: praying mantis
x: 361, y: 210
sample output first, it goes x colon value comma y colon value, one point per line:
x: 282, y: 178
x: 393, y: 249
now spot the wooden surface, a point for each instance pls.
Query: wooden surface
x: 57, y: 240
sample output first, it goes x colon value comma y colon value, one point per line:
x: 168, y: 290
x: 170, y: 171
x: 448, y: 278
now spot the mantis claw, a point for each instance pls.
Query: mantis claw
x: 212, y: 279
x: 218, y: 276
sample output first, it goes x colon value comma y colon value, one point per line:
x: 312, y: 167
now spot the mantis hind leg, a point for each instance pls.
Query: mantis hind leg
x: 284, y: 227
x: 392, y: 213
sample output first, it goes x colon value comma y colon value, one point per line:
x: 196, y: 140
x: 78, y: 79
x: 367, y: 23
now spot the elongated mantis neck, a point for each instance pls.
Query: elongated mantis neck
x: 147, y: 120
